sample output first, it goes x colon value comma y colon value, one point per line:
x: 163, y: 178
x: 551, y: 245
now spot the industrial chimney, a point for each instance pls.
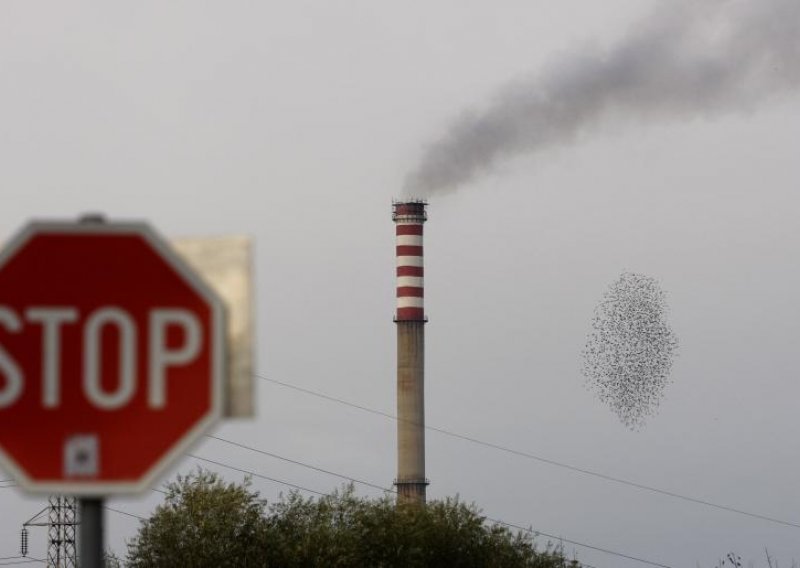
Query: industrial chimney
x: 411, y: 483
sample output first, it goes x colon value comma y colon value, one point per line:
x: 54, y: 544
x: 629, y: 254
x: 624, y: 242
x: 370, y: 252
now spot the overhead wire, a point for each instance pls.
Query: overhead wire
x: 355, y: 480
x: 362, y: 482
x: 119, y: 511
x: 315, y: 468
x: 539, y: 458
x: 456, y: 435
x: 254, y: 474
x: 582, y: 544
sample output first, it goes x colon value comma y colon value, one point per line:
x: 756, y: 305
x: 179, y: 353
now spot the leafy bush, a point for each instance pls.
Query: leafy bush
x: 207, y: 522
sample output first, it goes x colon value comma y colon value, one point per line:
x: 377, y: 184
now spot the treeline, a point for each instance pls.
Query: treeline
x: 207, y: 522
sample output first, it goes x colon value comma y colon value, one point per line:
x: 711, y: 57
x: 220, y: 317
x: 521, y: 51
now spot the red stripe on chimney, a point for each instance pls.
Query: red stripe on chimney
x: 413, y: 291
x: 409, y: 229
x: 409, y: 250
x: 410, y: 271
x: 410, y: 314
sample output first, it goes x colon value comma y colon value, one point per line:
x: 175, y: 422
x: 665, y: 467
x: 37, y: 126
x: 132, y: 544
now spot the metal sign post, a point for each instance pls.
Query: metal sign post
x: 91, y: 542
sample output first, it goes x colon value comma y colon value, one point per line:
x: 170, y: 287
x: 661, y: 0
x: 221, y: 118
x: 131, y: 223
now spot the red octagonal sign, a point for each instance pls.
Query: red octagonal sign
x: 111, y: 357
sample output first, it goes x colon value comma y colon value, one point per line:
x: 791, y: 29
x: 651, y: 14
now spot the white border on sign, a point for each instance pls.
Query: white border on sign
x: 218, y: 354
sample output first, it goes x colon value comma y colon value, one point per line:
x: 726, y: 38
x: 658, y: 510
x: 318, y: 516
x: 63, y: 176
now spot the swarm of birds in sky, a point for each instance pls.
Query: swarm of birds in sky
x: 630, y: 349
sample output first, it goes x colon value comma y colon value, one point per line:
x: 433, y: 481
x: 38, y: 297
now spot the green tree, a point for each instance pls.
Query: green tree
x: 342, y: 530
x: 205, y: 522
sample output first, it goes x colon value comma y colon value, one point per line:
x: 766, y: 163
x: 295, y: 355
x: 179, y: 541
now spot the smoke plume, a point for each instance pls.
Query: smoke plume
x: 629, y: 351
x: 689, y: 58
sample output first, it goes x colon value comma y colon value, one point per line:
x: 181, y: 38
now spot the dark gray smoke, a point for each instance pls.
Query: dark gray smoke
x: 630, y: 348
x: 689, y: 58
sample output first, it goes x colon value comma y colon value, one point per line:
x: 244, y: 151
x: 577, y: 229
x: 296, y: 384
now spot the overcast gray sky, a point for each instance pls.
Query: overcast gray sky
x: 297, y: 122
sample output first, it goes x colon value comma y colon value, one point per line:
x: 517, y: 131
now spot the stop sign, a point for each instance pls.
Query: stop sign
x: 111, y: 357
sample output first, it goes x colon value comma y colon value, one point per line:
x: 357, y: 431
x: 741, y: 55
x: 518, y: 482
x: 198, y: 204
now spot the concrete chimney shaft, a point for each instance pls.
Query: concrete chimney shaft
x: 411, y: 483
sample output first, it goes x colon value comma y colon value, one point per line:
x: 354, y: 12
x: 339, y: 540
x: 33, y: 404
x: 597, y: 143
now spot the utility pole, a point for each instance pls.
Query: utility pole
x: 60, y: 518
x: 61, y: 551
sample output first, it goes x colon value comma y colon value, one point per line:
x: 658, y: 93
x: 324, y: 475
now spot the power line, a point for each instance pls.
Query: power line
x: 133, y: 515
x: 592, y: 547
x: 458, y: 436
x: 354, y: 480
x: 342, y: 476
x: 541, y: 459
x: 124, y: 513
x: 315, y: 468
x: 302, y: 488
x: 254, y: 474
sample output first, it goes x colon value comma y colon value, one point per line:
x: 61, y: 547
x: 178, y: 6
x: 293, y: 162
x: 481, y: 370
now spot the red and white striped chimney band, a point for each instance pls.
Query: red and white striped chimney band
x: 410, y: 270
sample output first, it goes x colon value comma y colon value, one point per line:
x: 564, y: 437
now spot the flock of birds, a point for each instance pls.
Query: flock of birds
x: 627, y: 360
